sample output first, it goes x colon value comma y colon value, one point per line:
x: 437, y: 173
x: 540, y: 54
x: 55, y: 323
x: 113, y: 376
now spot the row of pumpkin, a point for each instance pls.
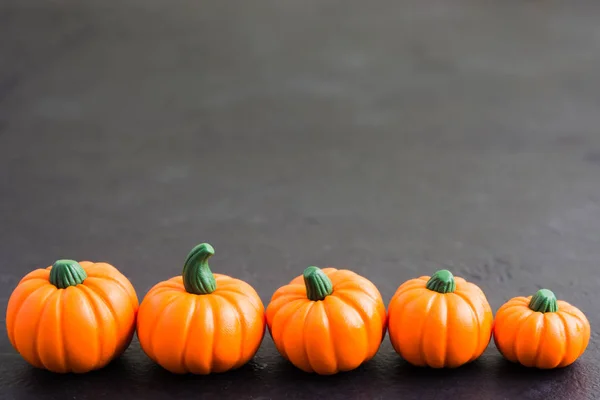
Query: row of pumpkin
x: 78, y: 316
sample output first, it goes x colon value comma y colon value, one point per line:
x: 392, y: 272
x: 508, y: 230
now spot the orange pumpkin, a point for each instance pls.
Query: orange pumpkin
x: 439, y: 321
x: 200, y: 322
x: 539, y: 331
x: 328, y: 320
x: 72, y: 317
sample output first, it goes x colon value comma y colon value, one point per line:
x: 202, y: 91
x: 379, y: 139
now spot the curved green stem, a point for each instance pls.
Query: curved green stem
x: 318, y: 285
x: 543, y: 301
x: 65, y: 273
x: 197, y: 276
x: 442, y: 282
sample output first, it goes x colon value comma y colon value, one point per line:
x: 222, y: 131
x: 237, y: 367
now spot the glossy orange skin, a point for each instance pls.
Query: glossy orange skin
x: 438, y: 330
x: 336, y: 334
x: 541, y: 340
x: 201, y: 334
x: 77, y: 329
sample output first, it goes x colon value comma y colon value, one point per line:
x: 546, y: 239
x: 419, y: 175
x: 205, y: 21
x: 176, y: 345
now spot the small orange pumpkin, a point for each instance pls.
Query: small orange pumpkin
x: 200, y: 322
x: 539, y: 331
x: 439, y: 321
x: 72, y: 317
x: 328, y: 320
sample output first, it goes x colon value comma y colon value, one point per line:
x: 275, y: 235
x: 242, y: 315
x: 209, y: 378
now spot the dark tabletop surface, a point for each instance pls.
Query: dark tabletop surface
x: 389, y: 137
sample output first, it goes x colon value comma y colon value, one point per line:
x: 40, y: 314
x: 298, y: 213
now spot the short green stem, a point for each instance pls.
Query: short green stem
x: 442, y: 282
x: 197, y: 276
x: 318, y: 285
x: 543, y: 301
x: 65, y: 273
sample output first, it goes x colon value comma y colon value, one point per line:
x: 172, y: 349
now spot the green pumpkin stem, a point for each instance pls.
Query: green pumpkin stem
x: 65, y: 273
x: 318, y: 285
x: 197, y: 276
x: 543, y: 301
x: 442, y: 282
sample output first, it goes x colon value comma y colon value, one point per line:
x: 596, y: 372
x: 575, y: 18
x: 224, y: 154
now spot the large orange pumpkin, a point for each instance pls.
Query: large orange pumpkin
x: 72, y: 317
x: 328, y: 320
x: 540, y: 331
x: 200, y: 322
x: 439, y: 321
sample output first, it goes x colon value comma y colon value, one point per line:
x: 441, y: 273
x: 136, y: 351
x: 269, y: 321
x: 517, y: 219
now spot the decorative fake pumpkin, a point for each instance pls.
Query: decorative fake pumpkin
x: 200, y: 322
x: 539, y: 331
x: 442, y: 321
x: 72, y: 317
x: 327, y: 320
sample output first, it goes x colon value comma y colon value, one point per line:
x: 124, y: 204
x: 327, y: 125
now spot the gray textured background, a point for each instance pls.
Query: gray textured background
x: 389, y: 137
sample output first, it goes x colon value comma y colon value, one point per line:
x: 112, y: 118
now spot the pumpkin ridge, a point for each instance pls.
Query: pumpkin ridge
x: 93, y: 288
x: 467, y: 300
x: 409, y: 289
x: 206, y: 307
x: 332, y: 336
x: 285, y: 323
x: 94, y: 292
x: 352, y: 285
x: 331, y: 272
x: 305, y: 307
x: 244, y: 295
x: 314, y: 307
x: 225, y: 281
x: 435, y: 306
x: 398, y: 316
x: 184, y: 357
x: 521, y: 324
x: 98, y: 324
x: 284, y: 290
x: 54, y: 314
x: 18, y: 310
x: 119, y: 283
x: 585, y: 338
x: 555, y: 327
x: 444, y: 300
x: 214, y: 307
x: 160, y: 312
x: 585, y: 343
x: 568, y: 332
x: 103, y: 268
x: 567, y: 336
x: 541, y: 334
x: 430, y: 302
x: 511, y: 305
x: 172, y: 285
x: 186, y: 332
x: 413, y: 283
x: 61, y: 321
x: 518, y: 322
x: 33, y: 278
x: 340, y: 276
x: 280, y: 308
x: 36, y: 351
x: 366, y: 328
x: 36, y: 274
x: 361, y: 313
x: 506, y: 315
x: 576, y: 316
x: 421, y: 281
x: 411, y: 300
x: 164, y: 289
x: 241, y: 325
x: 309, y: 309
